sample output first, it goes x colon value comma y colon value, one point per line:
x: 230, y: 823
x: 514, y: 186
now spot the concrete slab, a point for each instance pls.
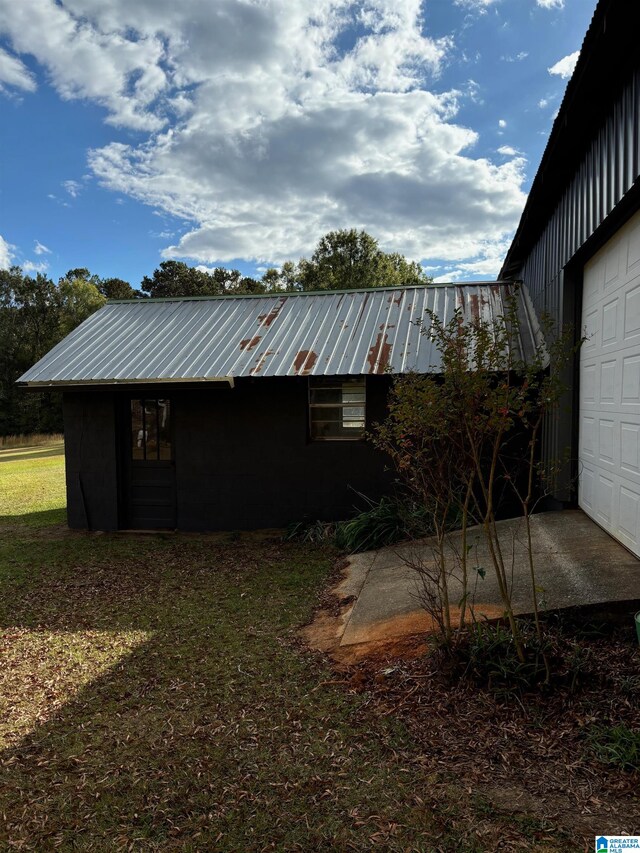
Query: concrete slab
x: 576, y: 562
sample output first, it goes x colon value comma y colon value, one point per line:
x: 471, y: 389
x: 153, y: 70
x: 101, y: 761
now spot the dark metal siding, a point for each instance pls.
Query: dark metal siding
x: 244, y: 459
x: 600, y: 193
x: 608, y: 171
x: 91, y: 460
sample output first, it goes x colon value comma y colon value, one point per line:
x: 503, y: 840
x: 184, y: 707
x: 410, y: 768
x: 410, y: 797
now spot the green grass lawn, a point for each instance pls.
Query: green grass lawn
x: 153, y: 697
x: 32, y: 484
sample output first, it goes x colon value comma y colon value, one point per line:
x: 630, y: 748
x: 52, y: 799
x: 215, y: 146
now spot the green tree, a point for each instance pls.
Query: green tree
x: 35, y: 314
x: 117, y: 288
x: 75, y: 300
x: 350, y: 259
x: 175, y: 278
x: 283, y: 280
x: 342, y: 260
x: 110, y: 288
x: 231, y: 282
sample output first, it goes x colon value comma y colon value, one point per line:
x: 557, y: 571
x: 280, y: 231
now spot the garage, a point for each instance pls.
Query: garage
x: 609, y: 407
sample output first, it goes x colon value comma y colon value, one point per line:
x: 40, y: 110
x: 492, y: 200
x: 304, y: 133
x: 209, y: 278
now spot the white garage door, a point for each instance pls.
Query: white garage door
x: 609, y: 489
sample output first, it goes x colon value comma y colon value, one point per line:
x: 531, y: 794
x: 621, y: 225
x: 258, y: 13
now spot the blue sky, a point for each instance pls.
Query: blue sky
x: 238, y: 133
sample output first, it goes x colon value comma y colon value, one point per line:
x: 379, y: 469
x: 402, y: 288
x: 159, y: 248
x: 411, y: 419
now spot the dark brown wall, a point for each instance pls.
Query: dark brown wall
x: 242, y: 455
x: 91, y: 460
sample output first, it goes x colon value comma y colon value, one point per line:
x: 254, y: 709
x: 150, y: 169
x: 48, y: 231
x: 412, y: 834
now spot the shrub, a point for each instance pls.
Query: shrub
x: 487, y: 655
x: 389, y: 521
x: 618, y: 745
x: 386, y: 522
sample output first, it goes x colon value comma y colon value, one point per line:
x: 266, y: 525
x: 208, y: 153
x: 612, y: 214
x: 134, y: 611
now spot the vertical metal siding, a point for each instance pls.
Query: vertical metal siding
x: 607, y: 171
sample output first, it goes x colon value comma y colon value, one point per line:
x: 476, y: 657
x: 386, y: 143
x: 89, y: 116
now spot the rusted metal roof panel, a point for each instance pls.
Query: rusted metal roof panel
x: 323, y: 334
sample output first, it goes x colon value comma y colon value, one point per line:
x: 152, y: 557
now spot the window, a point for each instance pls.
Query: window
x: 150, y: 430
x: 336, y: 408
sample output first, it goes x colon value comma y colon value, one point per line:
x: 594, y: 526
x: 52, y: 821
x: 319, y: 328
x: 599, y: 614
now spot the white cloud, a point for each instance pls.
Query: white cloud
x: 517, y: 58
x: 508, y: 151
x: 476, y: 5
x: 487, y: 265
x: 6, y: 254
x: 73, y: 188
x: 35, y: 267
x: 122, y: 73
x: 564, y: 67
x: 266, y: 124
x: 542, y: 103
x: 551, y: 4
x: 502, y: 123
x: 41, y: 249
x: 14, y: 73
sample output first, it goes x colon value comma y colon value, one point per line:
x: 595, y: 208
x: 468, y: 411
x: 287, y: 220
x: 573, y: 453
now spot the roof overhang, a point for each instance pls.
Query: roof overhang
x: 183, y: 380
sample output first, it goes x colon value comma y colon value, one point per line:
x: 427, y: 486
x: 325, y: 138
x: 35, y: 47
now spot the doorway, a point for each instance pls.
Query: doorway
x: 149, y: 466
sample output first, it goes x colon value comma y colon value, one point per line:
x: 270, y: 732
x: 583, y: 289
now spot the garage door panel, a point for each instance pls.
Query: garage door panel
x: 588, y: 380
x: 633, y: 255
x: 612, y: 266
x: 631, y: 380
x: 587, y: 437
x: 630, y: 448
x: 606, y: 442
x: 594, y: 276
x: 591, y: 324
x: 608, y: 386
x: 586, y: 488
x: 632, y: 313
x: 629, y: 506
x: 604, y: 498
x: 609, y: 417
x: 609, y: 321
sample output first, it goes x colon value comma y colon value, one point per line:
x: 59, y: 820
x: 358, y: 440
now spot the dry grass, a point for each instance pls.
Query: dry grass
x: 32, y: 440
x: 154, y: 698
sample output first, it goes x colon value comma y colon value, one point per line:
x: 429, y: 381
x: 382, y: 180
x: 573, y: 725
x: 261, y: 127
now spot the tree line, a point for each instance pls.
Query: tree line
x: 36, y: 312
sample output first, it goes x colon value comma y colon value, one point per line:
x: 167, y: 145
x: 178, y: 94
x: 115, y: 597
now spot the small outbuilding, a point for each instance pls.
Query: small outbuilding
x: 245, y: 411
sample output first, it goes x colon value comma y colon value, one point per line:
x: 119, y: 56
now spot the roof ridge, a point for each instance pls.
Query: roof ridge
x: 297, y: 293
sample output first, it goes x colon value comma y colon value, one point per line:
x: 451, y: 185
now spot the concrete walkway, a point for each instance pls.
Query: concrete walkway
x: 577, y: 563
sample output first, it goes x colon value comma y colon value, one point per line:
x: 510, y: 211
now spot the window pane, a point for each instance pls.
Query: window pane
x: 326, y: 396
x: 353, y: 416
x: 164, y: 418
x: 336, y: 410
x: 150, y: 430
x: 137, y: 432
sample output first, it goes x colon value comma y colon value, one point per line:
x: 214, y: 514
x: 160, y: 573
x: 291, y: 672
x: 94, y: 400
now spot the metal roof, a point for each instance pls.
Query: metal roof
x: 320, y: 334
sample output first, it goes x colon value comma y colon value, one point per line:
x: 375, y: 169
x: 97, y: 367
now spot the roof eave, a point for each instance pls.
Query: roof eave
x: 75, y: 383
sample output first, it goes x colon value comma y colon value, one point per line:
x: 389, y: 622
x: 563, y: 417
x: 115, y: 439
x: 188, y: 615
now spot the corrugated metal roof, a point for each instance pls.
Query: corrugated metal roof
x: 323, y: 334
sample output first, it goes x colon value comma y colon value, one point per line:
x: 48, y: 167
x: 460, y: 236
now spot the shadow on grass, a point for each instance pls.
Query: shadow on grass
x: 17, y: 455
x: 46, y: 518
x: 212, y: 734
